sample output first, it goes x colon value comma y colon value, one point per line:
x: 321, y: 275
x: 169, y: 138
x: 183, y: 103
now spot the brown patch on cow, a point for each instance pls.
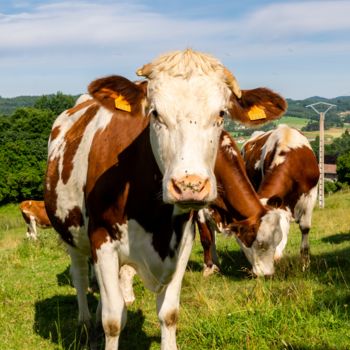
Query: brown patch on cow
x: 171, y: 318
x: 75, y: 216
x: 98, y: 236
x: 73, y: 138
x: 79, y: 107
x: 50, y: 195
x: 112, y: 328
x: 252, y: 154
x: 55, y: 132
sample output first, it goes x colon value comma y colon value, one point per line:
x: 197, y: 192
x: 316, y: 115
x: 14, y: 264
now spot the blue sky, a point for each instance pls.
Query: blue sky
x: 298, y: 48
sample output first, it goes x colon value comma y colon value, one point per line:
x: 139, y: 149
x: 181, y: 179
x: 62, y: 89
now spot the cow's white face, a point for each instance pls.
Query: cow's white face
x: 186, y: 123
x: 274, y: 225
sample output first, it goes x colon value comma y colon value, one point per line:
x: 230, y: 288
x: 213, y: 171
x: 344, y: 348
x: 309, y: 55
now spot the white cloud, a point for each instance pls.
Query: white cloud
x: 83, y: 23
x: 89, y: 38
x: 290, y: 20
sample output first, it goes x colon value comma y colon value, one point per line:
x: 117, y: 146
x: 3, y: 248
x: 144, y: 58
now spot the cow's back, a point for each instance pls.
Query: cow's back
x: 281, y: 163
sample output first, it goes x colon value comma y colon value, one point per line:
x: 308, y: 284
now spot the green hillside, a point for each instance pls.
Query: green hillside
x: 293, y: 121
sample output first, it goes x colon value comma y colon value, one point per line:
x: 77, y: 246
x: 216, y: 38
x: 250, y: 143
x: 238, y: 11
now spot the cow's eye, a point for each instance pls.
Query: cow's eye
x: 222, y: 114
x: 155, y: 113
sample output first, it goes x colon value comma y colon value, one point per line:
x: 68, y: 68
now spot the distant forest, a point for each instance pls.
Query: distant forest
x: 296, y: 108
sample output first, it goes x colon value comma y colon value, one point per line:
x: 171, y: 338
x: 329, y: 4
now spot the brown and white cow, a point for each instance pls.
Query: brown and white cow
x: 127, y: 165
x: 281, y: 165
x: 237, y: 210
x: 34, y: 215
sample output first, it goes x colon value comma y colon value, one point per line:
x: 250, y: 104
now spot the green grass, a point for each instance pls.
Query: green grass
x: 329, y: 134
x: 293, y: 121
x: 295, y: 310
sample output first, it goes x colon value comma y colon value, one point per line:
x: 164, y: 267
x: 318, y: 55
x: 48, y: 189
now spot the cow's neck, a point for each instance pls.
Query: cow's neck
x: 238, y: 193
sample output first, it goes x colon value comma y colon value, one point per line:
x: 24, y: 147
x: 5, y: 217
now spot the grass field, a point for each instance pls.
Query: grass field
x: 295, y: 310
x: 293, y: 121
x: 329, y: 135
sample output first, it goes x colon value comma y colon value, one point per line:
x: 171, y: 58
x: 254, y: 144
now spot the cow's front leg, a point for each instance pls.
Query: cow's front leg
x: 106, y: 264
x: 168, y: 300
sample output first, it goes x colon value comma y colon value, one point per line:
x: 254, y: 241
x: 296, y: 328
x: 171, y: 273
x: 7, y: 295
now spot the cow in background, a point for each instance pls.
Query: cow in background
x: 283, y: 169
x: 34, y: 214
x: 237, y: 210
x: 126, y: 168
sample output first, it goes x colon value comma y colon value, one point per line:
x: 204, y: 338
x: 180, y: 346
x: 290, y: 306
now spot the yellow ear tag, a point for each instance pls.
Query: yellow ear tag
x: 256, y: 113
x: 122, y: 104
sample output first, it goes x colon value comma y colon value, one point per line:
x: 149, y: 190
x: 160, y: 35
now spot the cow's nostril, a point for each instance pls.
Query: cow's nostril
x: 176, y: 186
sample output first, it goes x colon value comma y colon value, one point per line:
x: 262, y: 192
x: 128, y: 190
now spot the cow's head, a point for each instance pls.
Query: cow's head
x: 260, y: 249
x: 186, y: 96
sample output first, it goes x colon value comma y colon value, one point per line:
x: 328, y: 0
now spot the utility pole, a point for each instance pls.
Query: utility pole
x: 322, y: 115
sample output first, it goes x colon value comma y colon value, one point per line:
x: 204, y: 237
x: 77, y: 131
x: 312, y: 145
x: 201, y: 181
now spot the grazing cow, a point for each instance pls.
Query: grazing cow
x: 237, y: 209
x: 127, y: 165
x: 34, y: 214
x: 281, y: 165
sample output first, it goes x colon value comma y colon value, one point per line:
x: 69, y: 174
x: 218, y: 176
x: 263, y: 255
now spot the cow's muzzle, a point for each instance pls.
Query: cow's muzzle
x: 189, y: 190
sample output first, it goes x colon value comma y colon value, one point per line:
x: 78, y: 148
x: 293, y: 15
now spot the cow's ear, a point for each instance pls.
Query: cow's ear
x: 118, y: 93
x: 257, y: 106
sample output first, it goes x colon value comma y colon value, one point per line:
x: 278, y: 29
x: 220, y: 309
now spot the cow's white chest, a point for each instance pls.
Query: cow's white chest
x: 135, y: 248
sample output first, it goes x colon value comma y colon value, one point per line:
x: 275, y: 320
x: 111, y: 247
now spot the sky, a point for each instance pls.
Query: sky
x: 298, y: 48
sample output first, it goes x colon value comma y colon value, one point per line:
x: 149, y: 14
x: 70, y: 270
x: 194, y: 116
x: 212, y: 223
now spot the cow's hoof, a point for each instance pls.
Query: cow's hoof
x: 208, y: 271
x: 305, y: 259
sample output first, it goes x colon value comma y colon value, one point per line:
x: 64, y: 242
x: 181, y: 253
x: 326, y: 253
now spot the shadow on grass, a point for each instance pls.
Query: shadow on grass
x: 305, y: 347
x: 56, y: 320
x: 337, y: 238
x: 233, y: 264
x: 64, y: 278
x: 331, y: 268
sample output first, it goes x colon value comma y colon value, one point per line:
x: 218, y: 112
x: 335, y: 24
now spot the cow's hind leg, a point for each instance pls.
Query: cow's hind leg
x: 31, y: 231
x: 303, y: 215
x: 305, y: 248
x: 113, y: 313
x: 126, y: 276
x: 79, y: 270
x: 168, y: 300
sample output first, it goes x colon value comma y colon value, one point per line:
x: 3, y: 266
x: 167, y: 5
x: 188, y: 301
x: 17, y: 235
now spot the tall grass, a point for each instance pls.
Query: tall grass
x: 295, y: 310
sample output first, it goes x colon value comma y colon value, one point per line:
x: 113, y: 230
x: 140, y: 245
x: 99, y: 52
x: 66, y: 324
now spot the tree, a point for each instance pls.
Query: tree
x: 23, y: 153
x: 56, y: 103
x: 343, y: 167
